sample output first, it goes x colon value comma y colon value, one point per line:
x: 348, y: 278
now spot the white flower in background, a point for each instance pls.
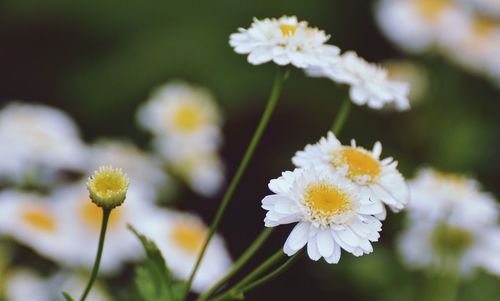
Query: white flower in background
x: 203, y: 172
x: 379, y: 179
x: 443, y: 246
x: 330, y: 212
x: 455, y: 199
x: 23, y: 285
x: 34, y: 221
x: 180, y: 237
x: 369, y: 83
x: 487, y: 7
x: 183, y: 115
x: 37, y: 141
x: 147, y: 177
x: 284, y: 41
x: 83, y: 219
x: 416, y: 25
x: 413, y: 74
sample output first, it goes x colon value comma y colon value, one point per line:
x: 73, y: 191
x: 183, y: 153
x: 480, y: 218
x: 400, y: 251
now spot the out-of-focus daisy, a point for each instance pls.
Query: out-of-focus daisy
x: 379, y: 179
x: 369, y: 83
x: 330, y: 212
x: 438, y: 196
x: 203, y: 172
x: 411, y: 73
x: 183, y: 114
x: 36, y: 222
x: 180, y: 237
x: 83, y: 219
x: 23, y: 285
x: 418, y: 24
x: 37, y: 142
x: 448, y: 246
x: 144, y: 171
x: 284, y: 41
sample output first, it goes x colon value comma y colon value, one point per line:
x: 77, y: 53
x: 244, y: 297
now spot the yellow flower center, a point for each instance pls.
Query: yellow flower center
x: 189, y: 236
x: 288, y: 30
x: 325, y: 200
x: 40, y: 218
x: 484, y: 25
x: 91, y: 215
x: 361, y: 165
x: 188, y: 118
x: 431, y: 9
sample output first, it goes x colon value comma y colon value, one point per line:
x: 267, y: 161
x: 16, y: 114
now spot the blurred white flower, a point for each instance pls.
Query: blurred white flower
x: 182, y: 114
x: 452, y: 198
x: 330, y: 212
x: 413, y: 74
x: 203, y: 172
x: 83, y: 219
x: 180, y: 237
x: 24, y: 285
x: 284, y: 41
x: 416, y: 25
x: 33, y: 220
x: 487, y: 7
x: 146, y: 174
x: 37, y: 142
x: 369, y: 83
x: 447, y: 246
x: 379, y: 179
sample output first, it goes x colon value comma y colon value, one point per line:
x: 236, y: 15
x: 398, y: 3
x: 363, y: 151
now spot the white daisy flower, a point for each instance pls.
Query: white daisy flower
x: 330, y: 212
x: 203, y: 172
x: 183, y: 115
x: 416, y: 25
x: 144, y: 170
x: 83, y: 219
x: 369, y: 83
x: 37, y: 141
x: 284, y: 41
x: 438, y: 196
x: 438, y: 245
x: 22, y: 285
x: 379, y: 179
x: 180, y: 237
x: 33, y: 220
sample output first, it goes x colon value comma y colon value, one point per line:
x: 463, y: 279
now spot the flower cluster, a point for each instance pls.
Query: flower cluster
x: 468, y: 31
x: 451, y: 222
x: 186, y: 124
x: 286, y: 41
x: 336, y: 195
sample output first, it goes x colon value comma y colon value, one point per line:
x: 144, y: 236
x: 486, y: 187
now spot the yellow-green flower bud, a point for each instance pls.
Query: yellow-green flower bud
x: 108, y: 187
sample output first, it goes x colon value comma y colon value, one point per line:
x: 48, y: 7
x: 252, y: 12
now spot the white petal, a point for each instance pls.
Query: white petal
x: 297, y: 238
x: 325, y: 243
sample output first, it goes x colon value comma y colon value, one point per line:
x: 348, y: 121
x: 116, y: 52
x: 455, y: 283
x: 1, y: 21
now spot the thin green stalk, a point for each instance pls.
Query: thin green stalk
x: 105, y: 218
x: 234, y: 291
x: 280, y: 270
x: 264, y: 120
x: 244, y: 258
x: 341, y: 117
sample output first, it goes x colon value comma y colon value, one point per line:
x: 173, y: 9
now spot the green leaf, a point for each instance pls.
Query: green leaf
x: 178, y: 289
x: 153, y: 279
x: 67, y: 297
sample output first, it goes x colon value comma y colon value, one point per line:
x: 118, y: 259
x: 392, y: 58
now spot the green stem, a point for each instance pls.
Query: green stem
x: 264, y: 120
x: 244, y: 258
x: 341, y: 116
x: 235, y: 290
x: 105, y: 218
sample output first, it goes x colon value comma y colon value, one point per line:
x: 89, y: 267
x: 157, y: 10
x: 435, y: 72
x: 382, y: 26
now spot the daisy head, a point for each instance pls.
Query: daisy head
x: 108, y: 187
x: 180, y: 237
x: 284, y: 41
x: 181, y: 111
x: 379, y: 178
x: 329, y: 211
x: 369, y: 83
x: 452, y: 197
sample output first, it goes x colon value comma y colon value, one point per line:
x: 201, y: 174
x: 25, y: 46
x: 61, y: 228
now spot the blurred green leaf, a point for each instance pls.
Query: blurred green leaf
x: 67, y: 297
